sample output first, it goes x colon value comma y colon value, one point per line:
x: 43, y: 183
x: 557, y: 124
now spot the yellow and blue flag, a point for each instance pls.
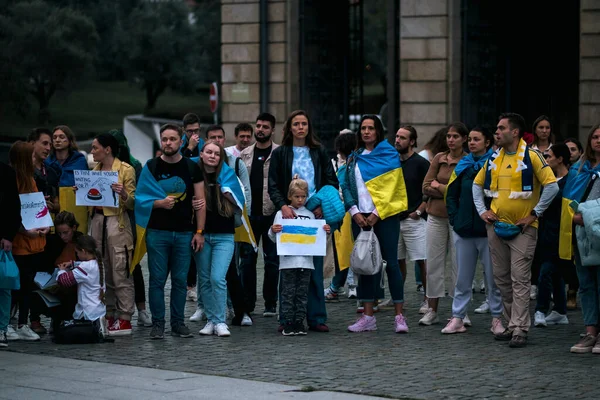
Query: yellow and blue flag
x: 298, y: 234
x: 465, y: 163
x: 578, y: 179
x: 381, y: 171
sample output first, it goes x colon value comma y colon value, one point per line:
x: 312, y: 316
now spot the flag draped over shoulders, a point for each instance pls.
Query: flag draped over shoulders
x: 467, y: 162
x: 147, y: 192
x: 381, y: 171
x: 578, y: 179
x: 229, y: 183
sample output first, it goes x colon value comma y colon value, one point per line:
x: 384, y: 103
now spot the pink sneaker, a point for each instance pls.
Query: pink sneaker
x: 455, y: 326
x: 364, y: 324
x: 497, y: 327
x: 401, y: 326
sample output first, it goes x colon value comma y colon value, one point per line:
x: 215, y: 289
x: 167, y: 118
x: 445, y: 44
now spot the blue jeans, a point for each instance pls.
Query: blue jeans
x: 4, y: 309
x: 387, y: 232
x: 550, y: 281
x: 589, y: 292
x: 212, y: 263
x: 168, y: 252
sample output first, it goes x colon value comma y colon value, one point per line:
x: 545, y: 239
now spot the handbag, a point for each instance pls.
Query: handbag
x: 9, y: 272
x: 366, y: 256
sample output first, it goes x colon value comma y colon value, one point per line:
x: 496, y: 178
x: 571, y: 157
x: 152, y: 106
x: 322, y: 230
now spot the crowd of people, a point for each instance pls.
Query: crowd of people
x: 519, y: 204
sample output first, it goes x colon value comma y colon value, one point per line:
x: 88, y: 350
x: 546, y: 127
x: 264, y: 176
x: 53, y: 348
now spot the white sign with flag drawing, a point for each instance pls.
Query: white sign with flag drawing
x: 94, y: 188
x: 34, y: 211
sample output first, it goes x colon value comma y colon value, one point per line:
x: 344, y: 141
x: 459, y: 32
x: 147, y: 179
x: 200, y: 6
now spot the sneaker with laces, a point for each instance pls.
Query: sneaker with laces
x: 517, y: 341
x: 455, y: 325
x: 38, y: 328
x: 364, y: 324
x: 199, y: 315
x: 270, y: 312
x: 144, y: 318
x: 331, y: 295
x: 352, y: 294
x: 222, y: 330
x: 533, y: 292
x: 25, y: 333
x: 3, y: 339
x: 192, y: 295
x: 400, y: 324
x: 497, y: 327
x: 246, y: 320
x: 424, y: 307
x: 120, y: 328
x: 11, y: 334
x: 158, y: 331
x: 289, y: 329
x: 300, y: 329
x: 429, y: 319
x: 585, y: 345
x: 467, y: 321
x: 554, y: 318
x: 208, y: 329
x: 539, y: 319
x: 484, y: 308
x: 181, y: 330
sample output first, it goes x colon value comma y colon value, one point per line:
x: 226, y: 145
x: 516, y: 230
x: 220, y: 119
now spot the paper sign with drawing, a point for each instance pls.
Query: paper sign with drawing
x: 34, y: 211
x: 94, y: 188
x: 302, y: 237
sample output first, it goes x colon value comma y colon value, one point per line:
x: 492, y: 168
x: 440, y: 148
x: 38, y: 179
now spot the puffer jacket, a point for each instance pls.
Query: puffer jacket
x: 328, y: 198
x: 588, y: 236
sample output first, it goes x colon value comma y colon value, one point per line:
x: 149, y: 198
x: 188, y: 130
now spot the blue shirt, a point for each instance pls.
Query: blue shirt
x: 304, y: 168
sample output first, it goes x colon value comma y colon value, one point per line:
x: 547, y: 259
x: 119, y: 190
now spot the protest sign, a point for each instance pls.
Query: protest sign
x: 302, y: 237
x: 94, y: 188
x: 34, y: 211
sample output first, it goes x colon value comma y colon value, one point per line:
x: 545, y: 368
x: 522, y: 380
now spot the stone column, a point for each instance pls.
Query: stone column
x: 589, y: 67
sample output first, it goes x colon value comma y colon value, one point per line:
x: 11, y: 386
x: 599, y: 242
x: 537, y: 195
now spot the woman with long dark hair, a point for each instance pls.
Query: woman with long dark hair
x: 302, y: 154
x: 543, y: 137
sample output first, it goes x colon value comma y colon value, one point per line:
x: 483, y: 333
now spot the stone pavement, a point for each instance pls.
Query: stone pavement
x: 423, y: 364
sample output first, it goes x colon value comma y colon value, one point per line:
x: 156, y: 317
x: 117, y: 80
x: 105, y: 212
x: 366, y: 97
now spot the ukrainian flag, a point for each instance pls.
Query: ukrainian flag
x: 466, y: 163
x: 381, y: 171
x: 230, y: 183
x: 577, y: 182
x: 298, y: 234
x: 148, y: 190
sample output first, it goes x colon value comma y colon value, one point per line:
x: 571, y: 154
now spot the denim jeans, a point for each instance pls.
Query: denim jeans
x: 551, y: 281
x: 387, y: 232
x: 316, y: 313
x: 168, y: 252
x: 589, y: 292
x: 4, y: 309
x: 212, y: 263
x: 260, y: 228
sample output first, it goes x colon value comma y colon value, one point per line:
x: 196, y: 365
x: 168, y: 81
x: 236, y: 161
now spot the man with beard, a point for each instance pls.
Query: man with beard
x: 412, y: 244
x: 257, y: 158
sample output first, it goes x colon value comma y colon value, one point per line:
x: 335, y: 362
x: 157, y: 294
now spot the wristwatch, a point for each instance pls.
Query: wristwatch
x: 419, y: 212
x: 200, y: 231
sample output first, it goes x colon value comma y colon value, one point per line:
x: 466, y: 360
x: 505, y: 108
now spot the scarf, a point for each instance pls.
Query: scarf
x: 521, y: 186
x: 466, y: 163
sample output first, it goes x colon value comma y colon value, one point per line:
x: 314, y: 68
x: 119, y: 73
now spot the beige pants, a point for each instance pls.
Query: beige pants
x: 116, y: 258
x: 511, y: 260
x: 440, y: 253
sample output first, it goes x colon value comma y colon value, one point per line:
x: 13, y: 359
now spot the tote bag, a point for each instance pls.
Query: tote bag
x: 9, y: 272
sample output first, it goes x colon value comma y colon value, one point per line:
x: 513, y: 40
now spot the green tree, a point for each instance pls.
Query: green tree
x: 51, y: 49
x: 161, y: 50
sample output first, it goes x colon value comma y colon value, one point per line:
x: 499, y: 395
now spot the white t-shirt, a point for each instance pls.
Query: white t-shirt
x: 233, y: 150
x: 291, y: 262
x: 89, y: 306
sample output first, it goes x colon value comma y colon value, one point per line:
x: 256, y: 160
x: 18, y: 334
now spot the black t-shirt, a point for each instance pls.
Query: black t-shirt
x: 176, y: 180
x: 215, y: 222
x: 414, y: 170
x: 47, y: 179
x: 256, y: 179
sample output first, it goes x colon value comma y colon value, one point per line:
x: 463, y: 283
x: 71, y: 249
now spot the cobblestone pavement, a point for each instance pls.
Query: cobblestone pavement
x: 423, y: 364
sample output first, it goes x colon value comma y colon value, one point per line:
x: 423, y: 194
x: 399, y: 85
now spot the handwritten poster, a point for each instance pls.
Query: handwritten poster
x: 34, y: 211
x: 93, y: 188
x: 302, y: 237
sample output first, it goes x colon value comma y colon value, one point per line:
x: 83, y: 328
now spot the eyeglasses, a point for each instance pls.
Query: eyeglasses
x: 192, y: 131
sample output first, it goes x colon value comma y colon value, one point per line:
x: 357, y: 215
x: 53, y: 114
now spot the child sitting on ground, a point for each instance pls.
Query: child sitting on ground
x: 294, y: 270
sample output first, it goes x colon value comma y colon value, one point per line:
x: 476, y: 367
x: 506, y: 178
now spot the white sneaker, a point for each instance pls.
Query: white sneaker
x: 11, y: 334
x: 352, y: 294
x: 208, y: 329
x: 199, y: 315
x: 539, y: 319
x: 533, y: 292
x: 192, y: 295
x: 484, y: 308
x: 246, y: 320
x: 467, y: 321
x: 222, y: 330
x: 554, y: 318
x: 424, y: 307
x: 25, y: 333
x: 429, y: 319
x: 144, y: 318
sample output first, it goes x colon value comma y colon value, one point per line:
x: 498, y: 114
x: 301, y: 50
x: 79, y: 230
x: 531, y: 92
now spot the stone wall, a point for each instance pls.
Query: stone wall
x: 240, y: 61
x: 589, y: 67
